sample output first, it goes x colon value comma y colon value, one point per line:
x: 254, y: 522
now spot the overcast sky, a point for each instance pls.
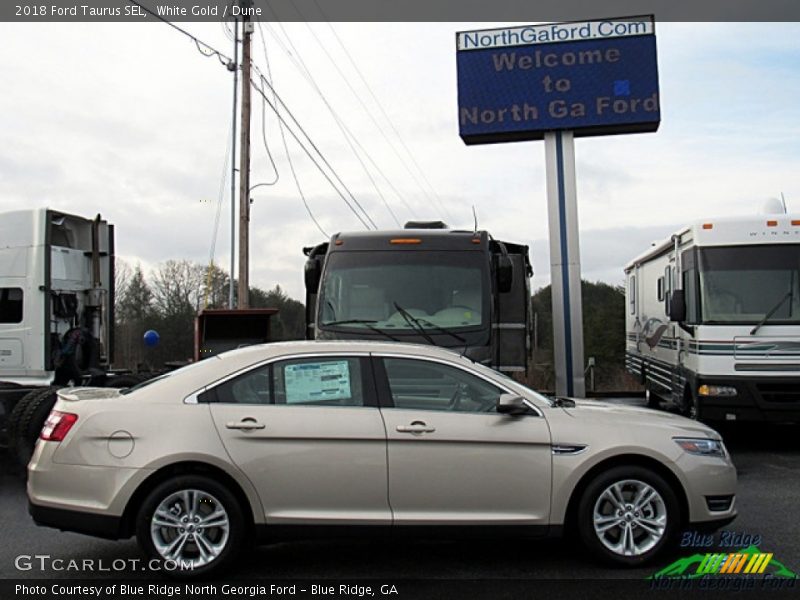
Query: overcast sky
x: 131, y: 121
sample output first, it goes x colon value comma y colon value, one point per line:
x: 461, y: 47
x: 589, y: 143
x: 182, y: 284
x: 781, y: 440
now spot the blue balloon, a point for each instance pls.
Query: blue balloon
x: 151, y: 338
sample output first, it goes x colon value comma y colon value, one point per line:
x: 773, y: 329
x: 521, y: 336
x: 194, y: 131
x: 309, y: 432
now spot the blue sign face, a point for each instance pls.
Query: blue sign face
x: 592, y: 86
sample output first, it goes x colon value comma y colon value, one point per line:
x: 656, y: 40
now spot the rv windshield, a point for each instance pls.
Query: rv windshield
x: 742, y: 284
x: 405, y: 291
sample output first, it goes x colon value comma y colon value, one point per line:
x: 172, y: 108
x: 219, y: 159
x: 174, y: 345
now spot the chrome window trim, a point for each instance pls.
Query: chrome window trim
x: 447, y: 363
x: 193, y: 397
x: 268, y: 361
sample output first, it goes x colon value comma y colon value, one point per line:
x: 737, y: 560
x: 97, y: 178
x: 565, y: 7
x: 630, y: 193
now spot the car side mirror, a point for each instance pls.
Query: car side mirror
x: 511, y: 404
x: 677, y: 306
x: 505, y: 274
x: 313, y: 271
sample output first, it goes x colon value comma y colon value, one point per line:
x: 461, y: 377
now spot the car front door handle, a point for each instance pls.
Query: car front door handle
x: 416, y: 427
x: 245, y: 425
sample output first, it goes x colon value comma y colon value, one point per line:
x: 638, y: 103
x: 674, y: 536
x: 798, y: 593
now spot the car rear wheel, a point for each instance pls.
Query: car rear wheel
x: 627, y: 515
x: 192, y: 524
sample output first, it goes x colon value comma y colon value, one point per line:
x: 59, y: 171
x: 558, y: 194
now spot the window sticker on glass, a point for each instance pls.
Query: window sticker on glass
x: 317, y: 381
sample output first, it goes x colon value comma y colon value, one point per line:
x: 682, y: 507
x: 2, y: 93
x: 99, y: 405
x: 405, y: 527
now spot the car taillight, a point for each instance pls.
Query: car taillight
x: 57, y: 426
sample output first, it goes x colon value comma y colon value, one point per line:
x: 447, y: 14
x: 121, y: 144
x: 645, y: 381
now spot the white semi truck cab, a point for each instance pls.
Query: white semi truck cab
x: 56, y: 312
x: 713, y: 318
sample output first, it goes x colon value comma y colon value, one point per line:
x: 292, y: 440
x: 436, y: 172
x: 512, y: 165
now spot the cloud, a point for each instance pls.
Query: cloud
x: 131, y: 121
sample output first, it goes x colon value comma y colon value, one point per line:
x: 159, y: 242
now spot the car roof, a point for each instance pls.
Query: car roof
x: 264, y: 351
x: 232, y: 361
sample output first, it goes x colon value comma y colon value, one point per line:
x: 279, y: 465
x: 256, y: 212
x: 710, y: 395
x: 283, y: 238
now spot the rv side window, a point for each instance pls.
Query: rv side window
x: 632, y: 293
x: 10, y: 305
x: 660, y: 289
x: 667, y: 289
x: 690, y: 291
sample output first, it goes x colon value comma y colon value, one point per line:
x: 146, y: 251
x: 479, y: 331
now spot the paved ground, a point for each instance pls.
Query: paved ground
x: 768, y: 458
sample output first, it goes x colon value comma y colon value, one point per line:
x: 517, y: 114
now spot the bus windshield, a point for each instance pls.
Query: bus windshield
x: 405, y: 290
x: 745, y: 284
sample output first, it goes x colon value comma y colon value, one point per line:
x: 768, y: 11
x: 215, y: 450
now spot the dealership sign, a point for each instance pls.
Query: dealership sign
x: 593, y: 78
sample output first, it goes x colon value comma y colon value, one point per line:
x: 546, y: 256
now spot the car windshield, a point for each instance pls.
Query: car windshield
x: 405, y: 290
x: 744, y: 284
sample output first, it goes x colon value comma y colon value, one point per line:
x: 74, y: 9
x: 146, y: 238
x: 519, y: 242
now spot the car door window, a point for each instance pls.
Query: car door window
x: 335, y: 381
x: 319, y: 382
x: 423, y: 385
x: 252, y: 387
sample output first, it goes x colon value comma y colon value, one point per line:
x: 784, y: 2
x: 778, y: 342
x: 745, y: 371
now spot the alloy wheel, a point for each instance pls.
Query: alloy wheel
x: 190, y: 527
x: 630, y: 517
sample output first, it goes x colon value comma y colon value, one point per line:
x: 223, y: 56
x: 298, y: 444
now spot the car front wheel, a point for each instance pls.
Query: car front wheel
x: 627, y: 515
x: 192, y: 525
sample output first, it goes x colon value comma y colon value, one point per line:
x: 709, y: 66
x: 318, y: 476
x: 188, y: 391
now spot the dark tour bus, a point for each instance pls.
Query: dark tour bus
x: 424, y: 284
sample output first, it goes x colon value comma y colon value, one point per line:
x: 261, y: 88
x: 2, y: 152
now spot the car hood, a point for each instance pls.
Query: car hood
x: 620, y: 415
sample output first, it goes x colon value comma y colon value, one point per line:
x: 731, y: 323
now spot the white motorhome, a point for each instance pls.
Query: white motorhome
x: 713, y: 319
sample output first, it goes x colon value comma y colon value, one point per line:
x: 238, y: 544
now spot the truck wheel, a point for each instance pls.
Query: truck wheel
x: 192, y: 524
x: 31, y: 413
x: 15, y: 415
x: 627, y: 515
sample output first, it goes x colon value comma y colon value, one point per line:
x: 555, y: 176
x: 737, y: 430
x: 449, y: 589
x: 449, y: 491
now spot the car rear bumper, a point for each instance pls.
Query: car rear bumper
x: 104, y: 526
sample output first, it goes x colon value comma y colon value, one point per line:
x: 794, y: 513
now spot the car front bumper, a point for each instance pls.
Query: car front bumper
x: 710, y: 485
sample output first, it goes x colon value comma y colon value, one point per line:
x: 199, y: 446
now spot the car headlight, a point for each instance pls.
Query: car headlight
x: 702, y: 446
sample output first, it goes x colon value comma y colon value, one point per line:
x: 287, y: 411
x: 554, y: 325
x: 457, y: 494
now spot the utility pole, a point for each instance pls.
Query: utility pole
x: 244, y: 165
x: 234, y: 66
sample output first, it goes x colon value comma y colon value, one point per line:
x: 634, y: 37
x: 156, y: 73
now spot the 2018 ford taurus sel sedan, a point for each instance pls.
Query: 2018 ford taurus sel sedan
x: 273, y: 439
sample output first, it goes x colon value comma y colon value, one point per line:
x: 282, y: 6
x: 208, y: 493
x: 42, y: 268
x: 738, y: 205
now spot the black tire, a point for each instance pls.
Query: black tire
x: 27, y: 420
x: 591, y: 496
x: 236, y: 536
x: 15, y: 416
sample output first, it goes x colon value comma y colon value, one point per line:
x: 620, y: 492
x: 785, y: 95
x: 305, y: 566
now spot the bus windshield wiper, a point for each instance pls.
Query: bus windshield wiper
x: 444, y: 330
x: 368, y: 323
x: 414, y: 323
x: 772, y: 311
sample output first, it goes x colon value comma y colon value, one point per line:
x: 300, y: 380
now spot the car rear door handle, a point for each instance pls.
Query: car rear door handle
x: 416, y: 427
x: 245, y: 425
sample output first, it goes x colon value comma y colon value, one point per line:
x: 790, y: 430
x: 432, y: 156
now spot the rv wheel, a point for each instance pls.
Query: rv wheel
x: 688, y: 405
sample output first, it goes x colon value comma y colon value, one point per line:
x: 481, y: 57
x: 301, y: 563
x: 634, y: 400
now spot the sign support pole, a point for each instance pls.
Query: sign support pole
x: 565, y: 263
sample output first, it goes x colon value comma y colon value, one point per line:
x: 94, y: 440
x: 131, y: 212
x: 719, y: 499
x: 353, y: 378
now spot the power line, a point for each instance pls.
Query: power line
x: 380, y: 107
x: 276, y: 110
x: 403, y: 161
x: 319, y: 152
x: 266, y: 145
x: 366, y: 110
x: 349, y: 137
x: 307, y: 74
x: 286, y: 146
x: 221, y: 193
x: 209, y: 49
